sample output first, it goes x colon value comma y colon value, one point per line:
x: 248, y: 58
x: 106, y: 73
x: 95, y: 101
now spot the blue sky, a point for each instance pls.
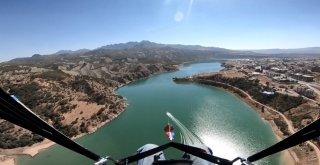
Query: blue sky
x: 46, y: 26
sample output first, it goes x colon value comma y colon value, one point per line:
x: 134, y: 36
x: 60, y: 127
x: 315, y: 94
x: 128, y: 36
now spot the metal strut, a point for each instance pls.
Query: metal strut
x: 309, y: 132
x: 14, y: 111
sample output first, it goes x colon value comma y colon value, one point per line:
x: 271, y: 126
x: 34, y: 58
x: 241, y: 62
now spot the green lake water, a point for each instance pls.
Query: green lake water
x: 226, y: 124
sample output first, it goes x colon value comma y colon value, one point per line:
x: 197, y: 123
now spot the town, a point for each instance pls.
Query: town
x: 292, y: 76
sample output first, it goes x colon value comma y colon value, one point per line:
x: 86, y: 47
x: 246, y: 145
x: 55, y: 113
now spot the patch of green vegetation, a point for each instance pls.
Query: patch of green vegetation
x: 9, y: 140
x: 28, y: 94
x: 67, y: 130
x: 296, y: 120
x: 282, y: 126
x: 7, y: 68
x: 83, y: 128
x: 56, y: 75
x: 281, y: 102
x: 81, y: 85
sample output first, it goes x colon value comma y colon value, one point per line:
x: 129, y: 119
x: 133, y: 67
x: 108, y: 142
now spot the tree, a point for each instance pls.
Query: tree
x: 268, y: 84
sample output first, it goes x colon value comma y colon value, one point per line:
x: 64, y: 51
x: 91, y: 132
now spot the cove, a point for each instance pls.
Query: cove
x: 226, y: 124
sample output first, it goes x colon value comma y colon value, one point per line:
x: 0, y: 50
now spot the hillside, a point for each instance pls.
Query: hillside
x: 75, y: 90
x: 75, y: 97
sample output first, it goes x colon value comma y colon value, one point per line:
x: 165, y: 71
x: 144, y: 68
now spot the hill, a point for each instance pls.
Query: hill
x: 71, y: 51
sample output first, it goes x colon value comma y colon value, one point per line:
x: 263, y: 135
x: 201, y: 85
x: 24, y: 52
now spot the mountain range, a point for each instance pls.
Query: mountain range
x: 148, y: 44
x: 133, y: 49
x: 308, y: 50
x: 173, y: 53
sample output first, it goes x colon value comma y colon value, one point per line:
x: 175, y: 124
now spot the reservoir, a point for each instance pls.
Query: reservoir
x: 230, y: 127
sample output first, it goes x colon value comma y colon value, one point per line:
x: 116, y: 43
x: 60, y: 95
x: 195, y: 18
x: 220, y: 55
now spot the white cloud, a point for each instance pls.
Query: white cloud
x: 178, y: 17
x: 189, y: 8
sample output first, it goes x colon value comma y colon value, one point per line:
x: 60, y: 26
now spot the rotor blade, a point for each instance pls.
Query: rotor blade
x: 309, y: 132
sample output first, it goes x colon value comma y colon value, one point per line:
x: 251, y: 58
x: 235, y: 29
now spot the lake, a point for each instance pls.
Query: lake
x: 226, y: 124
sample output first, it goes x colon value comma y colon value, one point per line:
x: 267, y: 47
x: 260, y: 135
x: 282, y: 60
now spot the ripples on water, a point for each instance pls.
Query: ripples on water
x: 232, y: 135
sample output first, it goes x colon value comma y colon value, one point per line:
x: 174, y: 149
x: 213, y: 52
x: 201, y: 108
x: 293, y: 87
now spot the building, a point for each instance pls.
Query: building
x: 258, y: 69
x: 305, y: 91
x: 255, y: 74
x: 266, y: 93
x: 271, y: 74
x: 284, y: 79
x: 307, y: 78
x: 279, y: 70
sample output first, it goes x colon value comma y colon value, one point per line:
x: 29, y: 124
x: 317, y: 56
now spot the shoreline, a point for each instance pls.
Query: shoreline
x: 288, y: 157
x: 295, y: 154
x: 9, y: 156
